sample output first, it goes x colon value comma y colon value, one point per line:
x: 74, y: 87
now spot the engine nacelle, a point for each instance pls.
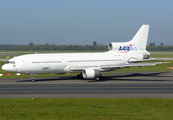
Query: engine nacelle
x: 117, y: 46
x: 90, y: 73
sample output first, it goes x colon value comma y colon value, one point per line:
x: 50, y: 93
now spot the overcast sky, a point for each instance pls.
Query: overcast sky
x: 84, y: 21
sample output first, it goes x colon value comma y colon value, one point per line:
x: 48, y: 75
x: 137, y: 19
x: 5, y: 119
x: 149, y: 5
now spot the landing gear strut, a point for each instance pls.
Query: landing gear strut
x: 32, y: 77
x: 79, y: 76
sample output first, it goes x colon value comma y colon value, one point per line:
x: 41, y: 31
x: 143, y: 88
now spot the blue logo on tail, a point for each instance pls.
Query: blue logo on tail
x: 125, y: 49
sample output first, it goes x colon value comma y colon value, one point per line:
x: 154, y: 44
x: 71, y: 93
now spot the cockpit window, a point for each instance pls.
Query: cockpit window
x: 11, y: 62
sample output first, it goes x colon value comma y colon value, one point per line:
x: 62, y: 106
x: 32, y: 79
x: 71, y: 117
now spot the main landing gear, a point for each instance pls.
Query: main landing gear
x: 79, y: 76
x: 100, y: 78
x: 32, y: 77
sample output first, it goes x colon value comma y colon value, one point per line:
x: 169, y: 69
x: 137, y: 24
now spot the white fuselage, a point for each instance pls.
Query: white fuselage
x: 61, y: 62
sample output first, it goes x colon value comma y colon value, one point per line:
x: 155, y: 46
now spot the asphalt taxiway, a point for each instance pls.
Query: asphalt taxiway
x: 4, y: 59
x: 123, y: 84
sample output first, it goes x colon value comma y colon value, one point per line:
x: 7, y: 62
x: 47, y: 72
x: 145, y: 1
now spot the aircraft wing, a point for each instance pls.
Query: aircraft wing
x: 103, y: 67
x: 81, y: 68
x: 127, y: 65
x: 131, y: 65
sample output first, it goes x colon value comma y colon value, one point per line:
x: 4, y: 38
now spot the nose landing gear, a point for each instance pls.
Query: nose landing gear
x: 32, y: 77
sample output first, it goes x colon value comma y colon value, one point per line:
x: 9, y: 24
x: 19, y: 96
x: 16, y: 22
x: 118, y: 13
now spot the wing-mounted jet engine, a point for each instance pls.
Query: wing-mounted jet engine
x: 90, y: 73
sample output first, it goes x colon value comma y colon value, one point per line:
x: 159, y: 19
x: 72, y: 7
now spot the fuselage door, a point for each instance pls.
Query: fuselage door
x: 63, y: 62
x: 23, y: 61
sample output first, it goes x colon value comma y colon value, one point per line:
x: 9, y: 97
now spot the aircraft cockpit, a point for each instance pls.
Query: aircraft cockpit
x: 10, y: 62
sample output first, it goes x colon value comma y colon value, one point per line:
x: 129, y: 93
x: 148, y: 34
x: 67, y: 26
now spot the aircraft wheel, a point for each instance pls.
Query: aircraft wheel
x: 97, y: 78
x: 100, y: 78
x: 79, y: 76
x: 33, y: 79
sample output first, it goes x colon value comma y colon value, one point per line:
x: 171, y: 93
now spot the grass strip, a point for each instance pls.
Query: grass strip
x: 86, y: 109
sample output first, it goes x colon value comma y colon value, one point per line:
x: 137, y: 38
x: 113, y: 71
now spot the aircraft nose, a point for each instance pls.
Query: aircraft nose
x: 4, y: 67
x: 8, y: 68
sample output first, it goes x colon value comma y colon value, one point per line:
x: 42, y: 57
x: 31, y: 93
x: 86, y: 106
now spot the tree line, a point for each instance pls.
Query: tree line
x: 53, y: 47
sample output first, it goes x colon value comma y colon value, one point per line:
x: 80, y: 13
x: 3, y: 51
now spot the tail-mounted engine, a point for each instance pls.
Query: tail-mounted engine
x: 119, y: 46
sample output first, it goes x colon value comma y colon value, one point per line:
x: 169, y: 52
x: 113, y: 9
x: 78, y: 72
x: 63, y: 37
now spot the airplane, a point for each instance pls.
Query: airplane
x: 88, y: 65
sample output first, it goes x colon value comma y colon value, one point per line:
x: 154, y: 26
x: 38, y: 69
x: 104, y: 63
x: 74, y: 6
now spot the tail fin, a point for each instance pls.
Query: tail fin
x: 140, y: 39
x: 138, y: 43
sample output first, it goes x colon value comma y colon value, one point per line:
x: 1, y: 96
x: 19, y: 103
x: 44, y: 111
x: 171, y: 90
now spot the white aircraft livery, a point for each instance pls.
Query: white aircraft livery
x: 89, y: 65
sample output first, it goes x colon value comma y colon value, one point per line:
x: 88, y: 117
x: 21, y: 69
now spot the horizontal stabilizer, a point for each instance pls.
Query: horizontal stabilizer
x: 151, y: 59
